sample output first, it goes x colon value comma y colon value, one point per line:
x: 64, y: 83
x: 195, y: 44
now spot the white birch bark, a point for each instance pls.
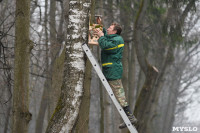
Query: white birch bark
x: 67, y: 109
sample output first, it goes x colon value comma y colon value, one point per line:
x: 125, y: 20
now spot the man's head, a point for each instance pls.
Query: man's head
x: 114, y: 29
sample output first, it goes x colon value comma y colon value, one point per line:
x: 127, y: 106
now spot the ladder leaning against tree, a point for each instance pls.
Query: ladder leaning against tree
x: 97, y: 68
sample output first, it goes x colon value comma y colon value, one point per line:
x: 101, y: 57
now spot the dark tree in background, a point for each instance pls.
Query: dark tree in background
x: 23, y: 46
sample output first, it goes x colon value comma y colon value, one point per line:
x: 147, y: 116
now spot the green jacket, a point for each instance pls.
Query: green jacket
x: 111, y: 55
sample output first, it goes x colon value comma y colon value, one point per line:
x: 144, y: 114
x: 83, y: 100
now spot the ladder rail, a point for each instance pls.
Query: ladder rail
x: 97, y: 68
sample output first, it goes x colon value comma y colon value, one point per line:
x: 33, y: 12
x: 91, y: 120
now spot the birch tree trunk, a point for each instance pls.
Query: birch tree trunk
x: 21, y: 114
x: 67, y: 110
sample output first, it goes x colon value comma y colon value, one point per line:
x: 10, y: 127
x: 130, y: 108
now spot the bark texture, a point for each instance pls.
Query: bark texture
x: 21, y: 114
x: 67, y: 110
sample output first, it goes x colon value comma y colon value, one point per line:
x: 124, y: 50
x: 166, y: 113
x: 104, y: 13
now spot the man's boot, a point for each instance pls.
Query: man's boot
x: 130, y: 116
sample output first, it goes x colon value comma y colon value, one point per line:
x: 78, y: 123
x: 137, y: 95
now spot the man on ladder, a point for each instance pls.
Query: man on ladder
x: 111, y: 44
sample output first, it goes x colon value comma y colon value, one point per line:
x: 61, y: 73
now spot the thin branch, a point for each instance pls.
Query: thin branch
x: 39, y: 75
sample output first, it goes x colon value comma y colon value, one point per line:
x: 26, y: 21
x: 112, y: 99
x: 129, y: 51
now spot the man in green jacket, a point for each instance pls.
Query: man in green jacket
x: 112, y: 44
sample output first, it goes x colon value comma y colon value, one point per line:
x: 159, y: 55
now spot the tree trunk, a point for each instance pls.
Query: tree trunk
x: 170, y: 108
x: 101, y: 90
x: 83, y: 117
x: 51, y: 57
x: 82, y: 124
x: 108, y: 114
x: 53, y: 83
x: 44, y: 100
x: 21, y: 114
x: 7, y: 118
x: 67, y: 110
x: 94, y: 103
x: 125, y: 78
x: 102, y: 107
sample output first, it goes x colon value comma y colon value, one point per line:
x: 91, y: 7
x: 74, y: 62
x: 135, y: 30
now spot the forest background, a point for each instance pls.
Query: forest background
x: 39, y: 37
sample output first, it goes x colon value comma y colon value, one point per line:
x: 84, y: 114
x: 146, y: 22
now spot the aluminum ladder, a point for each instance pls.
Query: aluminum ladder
x: 97, y: 68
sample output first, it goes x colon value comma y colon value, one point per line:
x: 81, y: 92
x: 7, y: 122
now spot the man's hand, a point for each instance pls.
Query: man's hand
x: 98, y: 32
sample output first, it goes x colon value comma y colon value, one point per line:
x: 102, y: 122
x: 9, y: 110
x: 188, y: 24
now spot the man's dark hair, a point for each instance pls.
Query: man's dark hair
x: 117, y: 27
